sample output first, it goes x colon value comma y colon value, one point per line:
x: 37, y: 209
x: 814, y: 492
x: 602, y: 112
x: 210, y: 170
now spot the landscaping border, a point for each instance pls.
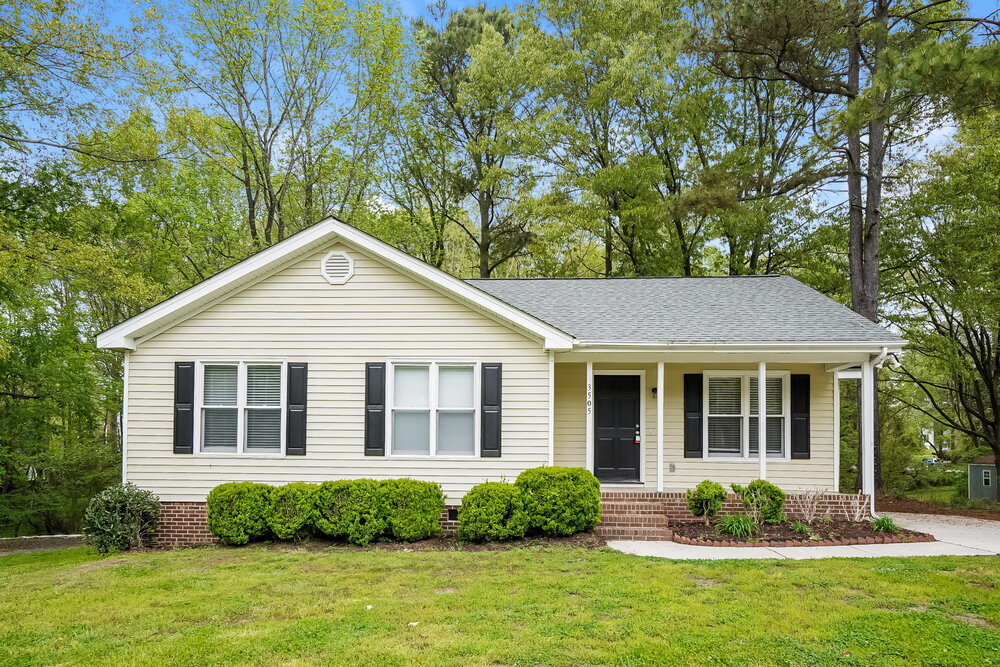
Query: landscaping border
x: 846, y: 542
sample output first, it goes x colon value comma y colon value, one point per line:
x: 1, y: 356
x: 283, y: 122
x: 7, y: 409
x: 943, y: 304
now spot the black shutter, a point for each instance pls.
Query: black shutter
x: 295, y: 409
x: 184, y: 407
x: 491, y: 392
x: 375, y: 408
x: 800, y: 416
x: 693, y: 399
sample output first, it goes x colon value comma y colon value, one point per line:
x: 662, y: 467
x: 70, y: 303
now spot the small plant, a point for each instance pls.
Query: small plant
x: 764, y: 500
x: 560, y: 501
x: 857, y: 507
x: 354, y: 509
x: 705, y: 500
x: 800, y: 527
x: 826, y: 519
x: 737, y: 525
x: 807, y: 504
x: 885, y: 524
x: 290, y: 512
x: 492, y: 511
x: 414, y: 509
x: 121, y: 517
x: 237, y: 511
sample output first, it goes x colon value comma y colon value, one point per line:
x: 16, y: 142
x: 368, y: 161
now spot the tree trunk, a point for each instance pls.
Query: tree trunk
x: 484, y: 235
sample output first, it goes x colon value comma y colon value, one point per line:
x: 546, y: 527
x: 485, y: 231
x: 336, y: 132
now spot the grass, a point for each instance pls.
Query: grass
x: 934, y: 494
x: 551, y: 605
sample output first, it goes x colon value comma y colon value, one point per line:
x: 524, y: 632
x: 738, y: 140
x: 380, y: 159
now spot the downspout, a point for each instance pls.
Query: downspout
x: 877, y: 363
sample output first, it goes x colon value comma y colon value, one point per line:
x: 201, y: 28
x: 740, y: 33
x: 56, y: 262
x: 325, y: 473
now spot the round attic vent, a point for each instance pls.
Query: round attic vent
x: 337, y: 267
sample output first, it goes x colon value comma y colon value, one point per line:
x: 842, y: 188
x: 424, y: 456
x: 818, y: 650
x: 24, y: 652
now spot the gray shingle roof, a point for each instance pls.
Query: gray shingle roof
x: 730, y: 309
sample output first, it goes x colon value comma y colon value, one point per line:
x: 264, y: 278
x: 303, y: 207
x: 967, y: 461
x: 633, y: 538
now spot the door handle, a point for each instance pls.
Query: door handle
x: 637, y: 432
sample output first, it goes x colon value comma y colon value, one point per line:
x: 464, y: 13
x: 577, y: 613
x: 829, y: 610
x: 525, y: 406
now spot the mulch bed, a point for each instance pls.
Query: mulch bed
x: 40, y: 543
x: 887, y: 503
x: 449, y: 543
x: 838, y: 533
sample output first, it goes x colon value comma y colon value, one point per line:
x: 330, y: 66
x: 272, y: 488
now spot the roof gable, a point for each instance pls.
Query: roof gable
x: 123, y: 336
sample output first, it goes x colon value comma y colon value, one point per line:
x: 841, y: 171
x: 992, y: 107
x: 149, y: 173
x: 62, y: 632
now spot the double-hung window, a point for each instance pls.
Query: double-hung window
x: 434, y: 409
x: 241, y: 407
x: 731, y: 421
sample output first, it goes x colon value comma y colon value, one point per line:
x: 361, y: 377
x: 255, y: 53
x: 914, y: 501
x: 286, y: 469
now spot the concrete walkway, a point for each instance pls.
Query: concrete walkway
x: 956, y: 535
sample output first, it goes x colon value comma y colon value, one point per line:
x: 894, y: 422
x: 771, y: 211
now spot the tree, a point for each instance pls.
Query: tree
x: 301, y: 94
x: 476, y: 96
x: 62, y: 71
x: 843, y: 55
x: 952, y: 309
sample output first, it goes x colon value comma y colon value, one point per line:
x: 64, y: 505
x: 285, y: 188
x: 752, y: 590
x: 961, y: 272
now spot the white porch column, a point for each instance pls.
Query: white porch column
x: 552, y: 408
x: 868, y: 431
x: 660, y: 391
x: 762, y: 417
x: 589, y: 405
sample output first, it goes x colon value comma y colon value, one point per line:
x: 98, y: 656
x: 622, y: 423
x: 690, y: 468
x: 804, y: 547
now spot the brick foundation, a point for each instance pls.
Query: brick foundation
x: 625, y: 515
x: 183, y: 525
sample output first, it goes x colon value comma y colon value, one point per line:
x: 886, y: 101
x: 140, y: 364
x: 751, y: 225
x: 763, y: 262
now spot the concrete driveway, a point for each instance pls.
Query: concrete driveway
x: 956, y: 535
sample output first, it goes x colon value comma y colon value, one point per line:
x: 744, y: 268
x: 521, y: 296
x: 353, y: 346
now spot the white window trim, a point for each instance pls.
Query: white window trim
x: 434, y: 365
x: 241, y: 406
x: 987, y: 477
x: 786, y: 394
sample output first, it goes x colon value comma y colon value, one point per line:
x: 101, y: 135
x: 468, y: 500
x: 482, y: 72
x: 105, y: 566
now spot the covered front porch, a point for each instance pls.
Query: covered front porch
x: 660, y: 422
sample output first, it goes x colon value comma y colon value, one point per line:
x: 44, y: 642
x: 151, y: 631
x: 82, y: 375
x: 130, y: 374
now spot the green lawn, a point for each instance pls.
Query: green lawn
x: 936, y: 494
x: 553, y: 605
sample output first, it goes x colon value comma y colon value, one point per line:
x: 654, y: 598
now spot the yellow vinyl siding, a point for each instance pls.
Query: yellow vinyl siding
x: 571, y: 425
x: 296, y: 315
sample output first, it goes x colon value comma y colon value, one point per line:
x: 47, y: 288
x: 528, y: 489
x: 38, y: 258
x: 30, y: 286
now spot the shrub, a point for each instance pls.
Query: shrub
x: 353, y: 509
x: 800, y: 527
x: 237, y: 511
x: 560, y: 501
x: 290, y: 512
x: 705, y: 500
x: 885, y: 524
x: 414, y: 508
x: 492, y: 511
x: 764, y: 500
x: 737, y: 525
x: 121, y: 517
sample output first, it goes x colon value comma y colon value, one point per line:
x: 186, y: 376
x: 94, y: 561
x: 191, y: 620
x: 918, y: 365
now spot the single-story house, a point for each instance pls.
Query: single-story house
x: 333, y: 355
x: 983, y: 478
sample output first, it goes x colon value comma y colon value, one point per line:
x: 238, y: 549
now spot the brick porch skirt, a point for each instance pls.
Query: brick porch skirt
x: 647, y: 515
x: 625, y: 515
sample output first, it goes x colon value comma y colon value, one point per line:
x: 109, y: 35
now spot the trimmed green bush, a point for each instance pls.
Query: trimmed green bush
x: 705, y: 500
x: 237, y: 511
x: 560, y: 501
x: 764, y: 500
x: 414, y: 509
x: 737, y: 525
x: 352, y: 509
x: 121, y: 517
x: 492, y: 511
x: 290, y: 512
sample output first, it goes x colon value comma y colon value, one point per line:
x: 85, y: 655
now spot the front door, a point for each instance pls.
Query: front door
x: 616, y: 428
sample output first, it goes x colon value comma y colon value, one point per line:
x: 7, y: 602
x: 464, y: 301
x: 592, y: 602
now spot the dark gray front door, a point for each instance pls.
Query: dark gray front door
x: 616, y: 428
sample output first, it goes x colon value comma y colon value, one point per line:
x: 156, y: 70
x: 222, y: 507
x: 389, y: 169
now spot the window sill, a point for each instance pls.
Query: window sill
x: 224, y: 455
x: 732, y: 459
x: 428, y: 457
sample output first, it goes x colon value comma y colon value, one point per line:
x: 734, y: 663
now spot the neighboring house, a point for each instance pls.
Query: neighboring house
x: 332, y: 355
x: 983, y: 478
